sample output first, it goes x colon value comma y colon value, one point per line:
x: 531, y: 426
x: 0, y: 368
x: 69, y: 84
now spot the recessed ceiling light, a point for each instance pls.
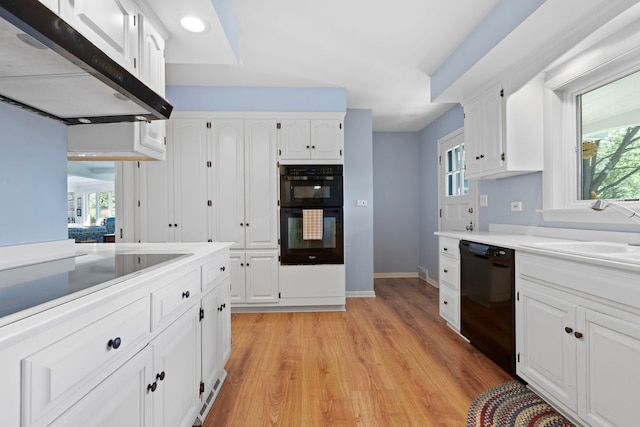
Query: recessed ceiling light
x: 193, y: 24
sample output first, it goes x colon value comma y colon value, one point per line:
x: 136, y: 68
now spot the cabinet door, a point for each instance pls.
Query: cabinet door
x: 189, y: 176
x: 224, y: 323
x: 121, y: 400
x: 326, y: 139
x: 262, y: 276
x: 151, y: 56
x: 210, y: 341
x: 176, y: 354
x: 493, y: 130
x: 155, y: 214
x: 261, y: 191
x: 227, y: 154
x: 294, y: 139
x: 238, y: 282
x: 545, y: 343
x: 109, y: 24
x: 608, y: 355
x: 450, y: 306
x: 484, y: 133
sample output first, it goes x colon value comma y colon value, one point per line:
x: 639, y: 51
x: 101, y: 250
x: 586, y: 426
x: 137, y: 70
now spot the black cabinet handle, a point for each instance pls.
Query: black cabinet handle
x: 568, y: 330
x: 247, y: 264
x: 307, y: 146
x: 446, y: 271
x: 170, y: 225
x: 578, y: 334
x: 224, y: 305
x: 445, y: 249
x: 241, y: 224
x: 446, y: 302
x: 186, y: 294
x: 247, y: 224
x: 160, y: 376
x: 219, y: 308
x: 114, y: 343
x: 222, y: 268
x: 152, y: 387
x: 175, y: 225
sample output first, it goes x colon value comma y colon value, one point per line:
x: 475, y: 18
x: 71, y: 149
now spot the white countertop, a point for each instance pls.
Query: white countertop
x: 526, y: 242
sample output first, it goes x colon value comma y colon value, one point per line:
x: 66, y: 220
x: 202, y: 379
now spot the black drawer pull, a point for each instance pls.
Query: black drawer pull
x: 446, y: 271
x: 222, y: 268
x: 578, y: 335
x: 446, y: 302
x: 160, y: 376
x: 186, y: 294
x: 152, y: 387
x: 568, y: 330
x: 114, y: 343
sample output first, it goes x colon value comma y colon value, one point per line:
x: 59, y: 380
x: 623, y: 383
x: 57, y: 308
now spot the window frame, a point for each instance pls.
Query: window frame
x: 560, y: 176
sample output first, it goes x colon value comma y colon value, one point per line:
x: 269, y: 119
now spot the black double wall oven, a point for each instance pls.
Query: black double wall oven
x: 311, y: 214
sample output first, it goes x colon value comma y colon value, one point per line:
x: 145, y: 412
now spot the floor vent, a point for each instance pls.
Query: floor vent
x: 210, y: 397
x: 423, y: 273
x: 216, y: 385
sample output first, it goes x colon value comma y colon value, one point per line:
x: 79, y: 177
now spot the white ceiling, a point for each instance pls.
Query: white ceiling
x: 382, y: 52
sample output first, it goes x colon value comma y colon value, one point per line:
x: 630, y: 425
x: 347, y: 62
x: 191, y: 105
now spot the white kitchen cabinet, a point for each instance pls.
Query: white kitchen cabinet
x: 546, y: 347
x: 176, y: 375
x: 62, y: 372
x: 173, y: 194
x: 319, y: 140
x: 449, y: 281
x: 51, y: 4
x: 254, y: 277
x: 578, y: 337
x: 152, y: 73
x: 121, y: 400
x: 109, y: 24
x: 261, y: 185
x: 504, y: 132
x: 215, y: 320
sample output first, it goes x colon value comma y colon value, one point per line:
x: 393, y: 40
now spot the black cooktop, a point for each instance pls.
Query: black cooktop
x: 32, y: 286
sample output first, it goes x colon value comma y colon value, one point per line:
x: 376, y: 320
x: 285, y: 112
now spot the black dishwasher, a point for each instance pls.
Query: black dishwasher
x: 487, y: 305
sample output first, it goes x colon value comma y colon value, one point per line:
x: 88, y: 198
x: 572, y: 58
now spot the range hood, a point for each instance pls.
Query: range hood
x: 49, y: 68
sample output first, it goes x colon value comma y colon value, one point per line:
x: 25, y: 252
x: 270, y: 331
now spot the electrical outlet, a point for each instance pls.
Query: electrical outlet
x: 362, y: 203
x: 516, y: 206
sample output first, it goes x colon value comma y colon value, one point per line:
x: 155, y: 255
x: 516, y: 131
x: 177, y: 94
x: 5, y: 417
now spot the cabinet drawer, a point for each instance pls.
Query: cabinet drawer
x: 214, y: 270
x: 449, y: 247
x: 449, y: 272
x: 58, y: 375
x: 171, y: 300
x: 450, y: 307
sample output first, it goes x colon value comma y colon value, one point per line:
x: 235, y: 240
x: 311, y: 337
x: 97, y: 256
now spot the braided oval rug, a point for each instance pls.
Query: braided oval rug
x: 513, y: 405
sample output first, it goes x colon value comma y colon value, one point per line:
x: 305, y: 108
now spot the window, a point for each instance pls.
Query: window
x: 609, y: 159
x: 592, y: 133
x: 457, y: 184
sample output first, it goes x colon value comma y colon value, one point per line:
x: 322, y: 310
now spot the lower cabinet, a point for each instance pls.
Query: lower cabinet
x: 449, y: 281
x: 216, y: 342
x: 157, y: 387
x: 152, y: 356
x: 579, y: 352
x: 176, y: 372
x: 121, y: 400
x: 254, y: 277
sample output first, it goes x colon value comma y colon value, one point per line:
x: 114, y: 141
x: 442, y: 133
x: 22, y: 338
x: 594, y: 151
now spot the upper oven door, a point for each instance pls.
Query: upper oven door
x: 299, y: 188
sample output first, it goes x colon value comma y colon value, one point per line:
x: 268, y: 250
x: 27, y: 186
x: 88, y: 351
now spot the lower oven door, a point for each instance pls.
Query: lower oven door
x: 323, y: 245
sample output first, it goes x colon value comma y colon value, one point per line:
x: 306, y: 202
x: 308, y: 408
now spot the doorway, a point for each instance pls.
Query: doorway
x: 457, y: 195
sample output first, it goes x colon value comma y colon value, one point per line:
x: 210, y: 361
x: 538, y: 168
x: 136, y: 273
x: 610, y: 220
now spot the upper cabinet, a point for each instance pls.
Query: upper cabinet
x: 109, y: 24
x: 303, y: 141
x: 504, y: 132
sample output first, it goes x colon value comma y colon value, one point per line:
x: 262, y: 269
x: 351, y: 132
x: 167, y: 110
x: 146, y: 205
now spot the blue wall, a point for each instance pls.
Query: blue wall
x: 358, y: 185
x: 396, y: 164
x: 503, y: 19
x: 450, y: 121
x: 33, y: 178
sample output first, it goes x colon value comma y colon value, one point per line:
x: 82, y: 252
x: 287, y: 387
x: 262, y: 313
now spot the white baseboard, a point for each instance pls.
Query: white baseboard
x: 361, y: 294
x: 394, y: 275
x: 433, y: 283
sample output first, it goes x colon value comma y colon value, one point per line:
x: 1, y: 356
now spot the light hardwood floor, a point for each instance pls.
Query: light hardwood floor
x: 385, y: 361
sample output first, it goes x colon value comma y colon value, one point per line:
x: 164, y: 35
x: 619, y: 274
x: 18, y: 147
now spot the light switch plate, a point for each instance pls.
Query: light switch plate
x: 362, y: 203
x: 516, y: 206
x: 484, y: 200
